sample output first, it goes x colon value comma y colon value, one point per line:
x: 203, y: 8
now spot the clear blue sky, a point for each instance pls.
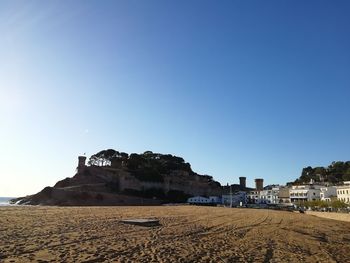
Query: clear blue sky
x: 237, y: 88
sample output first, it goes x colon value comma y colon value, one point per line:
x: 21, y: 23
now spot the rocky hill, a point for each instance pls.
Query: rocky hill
x: 335, y: 173
x: 117, y: 178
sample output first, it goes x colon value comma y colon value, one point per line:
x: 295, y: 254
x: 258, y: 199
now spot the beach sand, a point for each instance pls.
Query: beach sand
x: 331, y: 215
x: 186, y: 234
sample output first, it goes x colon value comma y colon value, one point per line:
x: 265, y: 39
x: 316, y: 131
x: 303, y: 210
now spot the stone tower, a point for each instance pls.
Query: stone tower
x: 81, y: 163
x: 242, y: 182
x: 259, y: 184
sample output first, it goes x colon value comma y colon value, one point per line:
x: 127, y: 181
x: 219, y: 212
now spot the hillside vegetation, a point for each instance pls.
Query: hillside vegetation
x: 147, y: 166
x: 335, y: 173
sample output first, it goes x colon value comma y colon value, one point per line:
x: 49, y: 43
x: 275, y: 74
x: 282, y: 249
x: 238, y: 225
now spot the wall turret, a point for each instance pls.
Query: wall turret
x: 81, y: 163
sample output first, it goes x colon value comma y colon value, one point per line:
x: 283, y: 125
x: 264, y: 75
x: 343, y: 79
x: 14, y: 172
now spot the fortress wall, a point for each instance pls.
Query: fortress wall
x: 178, y: 181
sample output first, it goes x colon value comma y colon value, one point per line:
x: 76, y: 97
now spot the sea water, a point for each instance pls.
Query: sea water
x: 5, y: 201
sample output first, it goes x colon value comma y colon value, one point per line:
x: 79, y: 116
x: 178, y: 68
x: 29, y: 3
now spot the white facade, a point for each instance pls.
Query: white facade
x: 264, y: 197
x: 237, y: 198
x: 343, y: 192
x: 204, y: 200
x: 328, y: 193
x: 302, y: 193
x: 253, y: 197
x: 270, y: 196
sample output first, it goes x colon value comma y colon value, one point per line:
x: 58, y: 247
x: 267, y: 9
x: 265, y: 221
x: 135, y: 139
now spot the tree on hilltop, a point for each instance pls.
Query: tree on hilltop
x: 335, y: 173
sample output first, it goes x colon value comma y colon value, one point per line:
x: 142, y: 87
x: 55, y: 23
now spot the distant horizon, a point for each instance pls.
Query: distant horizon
x: 237, y: 88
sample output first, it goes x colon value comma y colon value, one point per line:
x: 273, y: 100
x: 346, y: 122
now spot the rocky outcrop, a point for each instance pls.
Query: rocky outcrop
x: 114, y: 178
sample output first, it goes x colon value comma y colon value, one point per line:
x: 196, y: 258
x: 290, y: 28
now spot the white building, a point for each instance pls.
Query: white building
x: 198, y: 200
x: 253, y: 197
x: 237, y: 198
x: 302, y: 193
x: 268, y: 196
x: 215, y: 199
x: 343, y: 192
x: 204, y: 200
x: 328, y: 193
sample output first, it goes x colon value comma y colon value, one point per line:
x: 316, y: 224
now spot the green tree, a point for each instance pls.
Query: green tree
x: 337, y: 204
x: 103, y: 158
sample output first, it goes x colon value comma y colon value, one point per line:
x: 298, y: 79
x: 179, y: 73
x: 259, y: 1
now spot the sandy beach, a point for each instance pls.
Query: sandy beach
x: 185, y: 234
x: 330, y: 215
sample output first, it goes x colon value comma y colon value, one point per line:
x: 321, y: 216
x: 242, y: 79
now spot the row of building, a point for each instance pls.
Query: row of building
x: 277, y: 195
